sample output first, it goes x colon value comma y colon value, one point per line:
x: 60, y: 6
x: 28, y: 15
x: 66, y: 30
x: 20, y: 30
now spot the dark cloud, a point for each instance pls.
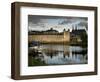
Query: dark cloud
x: 85, y: 24
x: 39, y: 20
x: 36, y: 21
x: 82, y: 24
x: 66, y: 22
x: 33, y: 19
x: 70, y: 20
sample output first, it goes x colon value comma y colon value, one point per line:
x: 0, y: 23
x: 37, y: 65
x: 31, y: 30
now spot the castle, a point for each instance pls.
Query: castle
x: 49, y: 36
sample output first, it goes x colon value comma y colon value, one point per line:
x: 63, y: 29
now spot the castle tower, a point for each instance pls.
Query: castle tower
x: 66, y: 35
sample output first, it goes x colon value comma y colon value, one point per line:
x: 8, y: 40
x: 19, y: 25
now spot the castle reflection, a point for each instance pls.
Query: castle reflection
x: 50, y: 54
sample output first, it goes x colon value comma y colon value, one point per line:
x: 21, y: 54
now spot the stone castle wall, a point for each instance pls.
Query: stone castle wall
x: 47, y: 38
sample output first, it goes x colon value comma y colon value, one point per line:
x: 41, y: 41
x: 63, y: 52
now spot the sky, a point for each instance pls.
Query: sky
x: 42, y: 23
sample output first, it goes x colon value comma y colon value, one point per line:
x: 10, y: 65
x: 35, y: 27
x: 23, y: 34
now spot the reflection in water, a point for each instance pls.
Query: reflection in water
x: 50, y: 54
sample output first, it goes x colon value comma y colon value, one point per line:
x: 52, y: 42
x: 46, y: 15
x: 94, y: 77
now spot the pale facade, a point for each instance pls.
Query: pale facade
x: 50, y: 38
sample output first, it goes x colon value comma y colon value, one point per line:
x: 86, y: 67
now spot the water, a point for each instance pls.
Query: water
x: 52, y: 54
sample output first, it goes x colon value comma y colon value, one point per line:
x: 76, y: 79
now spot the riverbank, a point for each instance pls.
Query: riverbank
x: 68, y: 43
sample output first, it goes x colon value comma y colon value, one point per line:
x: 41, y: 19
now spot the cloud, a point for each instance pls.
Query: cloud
x: 66, y: 22
x: 83, y: 24
x: 72, y: 20
x: 57, y: 22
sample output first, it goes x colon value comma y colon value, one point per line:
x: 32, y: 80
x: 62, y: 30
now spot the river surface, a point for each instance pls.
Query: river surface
x: 50, y: 54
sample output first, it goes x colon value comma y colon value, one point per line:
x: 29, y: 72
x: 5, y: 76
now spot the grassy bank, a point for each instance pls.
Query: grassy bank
x: 35, y: 62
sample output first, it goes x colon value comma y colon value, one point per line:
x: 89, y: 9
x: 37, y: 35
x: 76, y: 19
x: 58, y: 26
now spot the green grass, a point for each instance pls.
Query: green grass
x: 35, y: 62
